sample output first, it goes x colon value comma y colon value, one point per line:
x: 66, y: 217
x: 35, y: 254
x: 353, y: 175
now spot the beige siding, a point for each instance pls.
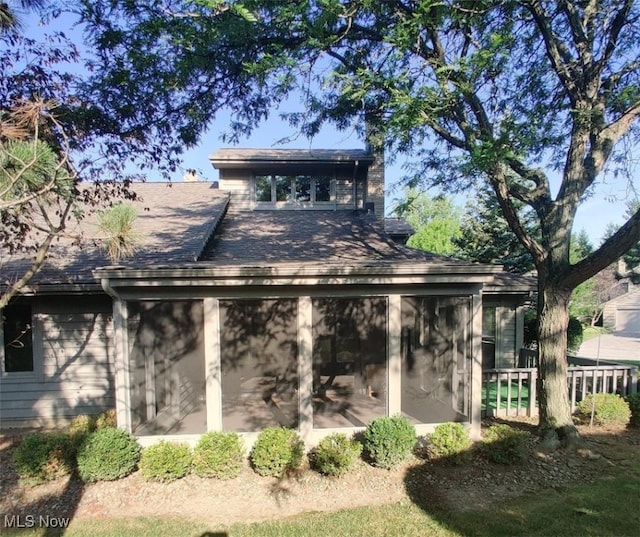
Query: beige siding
x: 73, y: 364
x: 239, y: 185
x: 617, y: 308
x: 344, y: 194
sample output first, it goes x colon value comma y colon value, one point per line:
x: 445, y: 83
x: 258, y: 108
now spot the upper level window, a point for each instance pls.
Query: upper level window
x: 293, y: 188
x: 17, y: 339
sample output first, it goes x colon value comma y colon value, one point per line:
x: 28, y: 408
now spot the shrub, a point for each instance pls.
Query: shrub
x: 633, y: 401
x: 389, y: 440
x: 218, y: 454
x: 450, y: 442
x: 336, y: 454
x: 107, y: 454
x: 165, y: 461
x: 277, y: 451
x: 106, y: 419
x: 610, y: 409
x: 575, y: 334
x: 44, y: 457
x: 505, y: 445
x: 84, y: 424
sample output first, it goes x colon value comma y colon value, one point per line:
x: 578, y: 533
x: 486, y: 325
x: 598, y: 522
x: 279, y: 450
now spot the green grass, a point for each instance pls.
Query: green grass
x: 493, y: 389
x: 590, y: 332
x: 606, y: 508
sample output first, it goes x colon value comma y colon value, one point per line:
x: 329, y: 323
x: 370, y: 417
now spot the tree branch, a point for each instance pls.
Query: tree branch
x: 613, y: 248
x: 557, y: 53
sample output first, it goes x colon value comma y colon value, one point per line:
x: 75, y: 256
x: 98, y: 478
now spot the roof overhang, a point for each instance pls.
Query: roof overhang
x: 263, y: 158
x: 129, y: 282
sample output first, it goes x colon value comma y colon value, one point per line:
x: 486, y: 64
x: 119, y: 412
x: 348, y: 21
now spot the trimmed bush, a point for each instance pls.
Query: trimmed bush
x: 388, y: 441
x: 336, y: 454
x: 633, y: 401
x: 165, y: 461
x: 107, y: 454
x: 218, y: 454
x: 449, y: 442
x: 277, y: 450
x: 505, y: 445
x: 610, y: 409
x: 42, y: 457
x: 84, y: 424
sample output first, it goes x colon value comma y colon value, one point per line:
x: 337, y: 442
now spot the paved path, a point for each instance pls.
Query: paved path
x: 618, y: 347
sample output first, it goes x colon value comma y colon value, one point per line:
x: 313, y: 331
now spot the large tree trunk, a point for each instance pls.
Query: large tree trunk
x: 553, y: 320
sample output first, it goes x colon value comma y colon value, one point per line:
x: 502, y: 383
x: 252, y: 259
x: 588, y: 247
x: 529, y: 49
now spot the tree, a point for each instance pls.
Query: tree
x: 9, y: 21
x: 585, y: 300
x: 487, y: 238
x: 436, y: 222
x: 500, y: 93
x: 37, y: 188
x: 632, y: 256
x: 40, y: 177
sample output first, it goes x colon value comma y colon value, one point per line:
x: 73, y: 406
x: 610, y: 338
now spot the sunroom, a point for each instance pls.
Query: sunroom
x: 316, y: 348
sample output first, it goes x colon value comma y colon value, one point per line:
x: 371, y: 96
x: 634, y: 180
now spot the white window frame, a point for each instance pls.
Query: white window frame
x: 292, y: 203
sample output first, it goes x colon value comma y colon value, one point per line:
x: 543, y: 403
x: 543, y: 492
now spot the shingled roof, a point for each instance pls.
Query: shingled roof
x: 174, y: 221
x: 288, y: 237
x: 192, y: 226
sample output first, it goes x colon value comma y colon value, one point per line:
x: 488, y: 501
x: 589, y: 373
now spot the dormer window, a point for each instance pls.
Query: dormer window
x: 304, y: 190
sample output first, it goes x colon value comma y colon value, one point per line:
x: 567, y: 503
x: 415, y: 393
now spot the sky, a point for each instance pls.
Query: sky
x: 606, y: 206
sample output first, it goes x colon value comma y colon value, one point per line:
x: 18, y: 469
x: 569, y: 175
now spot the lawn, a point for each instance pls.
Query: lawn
x: 607, y: 507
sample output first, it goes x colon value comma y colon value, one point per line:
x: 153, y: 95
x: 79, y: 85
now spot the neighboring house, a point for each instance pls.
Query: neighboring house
x: 622, y: 314
x: 276, y: 299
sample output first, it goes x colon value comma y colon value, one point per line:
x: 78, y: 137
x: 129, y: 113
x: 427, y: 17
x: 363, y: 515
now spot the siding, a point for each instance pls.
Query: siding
x: 73, y: 364
x: 238, y: 184
x: 629, y: 301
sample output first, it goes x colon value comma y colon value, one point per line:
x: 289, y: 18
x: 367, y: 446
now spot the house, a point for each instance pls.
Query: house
x: 277, y: 298
x: 622, y: 314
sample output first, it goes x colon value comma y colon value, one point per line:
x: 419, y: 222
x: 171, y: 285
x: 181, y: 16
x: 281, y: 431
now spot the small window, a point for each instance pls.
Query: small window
x: 323, y: 189
x: 303, y: 188
x: 18, y: 341
x: 263, y: 188
x: 283, y: 188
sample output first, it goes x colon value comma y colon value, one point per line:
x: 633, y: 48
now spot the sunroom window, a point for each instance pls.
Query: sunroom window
x: 294, y: 189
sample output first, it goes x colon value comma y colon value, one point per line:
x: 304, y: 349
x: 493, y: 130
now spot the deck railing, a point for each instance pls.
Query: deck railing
x: 512, y: 392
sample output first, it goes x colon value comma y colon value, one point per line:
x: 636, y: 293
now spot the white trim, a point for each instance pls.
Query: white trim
x: 394, y: 355
x: 475, y: 416
x: 305, y: 368
x: 212, y: 363
x: 121, y: 364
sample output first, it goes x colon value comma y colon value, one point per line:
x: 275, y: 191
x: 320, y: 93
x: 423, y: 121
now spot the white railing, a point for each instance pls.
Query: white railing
x: 512, y: 392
